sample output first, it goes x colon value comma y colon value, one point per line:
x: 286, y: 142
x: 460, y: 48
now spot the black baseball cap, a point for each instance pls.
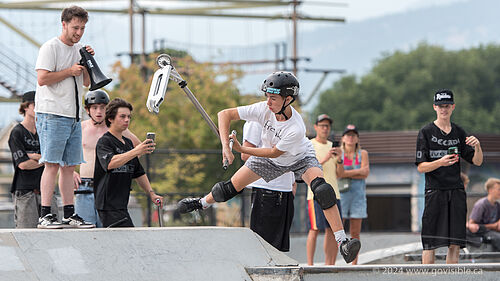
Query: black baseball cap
x: 443, y: 96
x: 29, y: 96
x: 324, y: 117
x: 350, y: 128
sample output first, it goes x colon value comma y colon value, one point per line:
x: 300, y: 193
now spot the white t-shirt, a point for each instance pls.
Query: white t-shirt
x: 252, y: 134
x: 58, y: 98
x: 288, y: 136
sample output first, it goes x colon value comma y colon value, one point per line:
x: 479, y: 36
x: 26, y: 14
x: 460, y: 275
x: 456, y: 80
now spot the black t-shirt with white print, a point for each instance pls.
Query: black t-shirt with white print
x: 22, y: 142
x: 433, y: 144
x: 112, y: 187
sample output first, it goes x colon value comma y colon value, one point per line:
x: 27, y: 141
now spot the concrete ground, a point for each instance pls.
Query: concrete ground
x: 370, y: 243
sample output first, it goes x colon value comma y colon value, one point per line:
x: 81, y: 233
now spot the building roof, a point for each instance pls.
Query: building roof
x: 399, y: 146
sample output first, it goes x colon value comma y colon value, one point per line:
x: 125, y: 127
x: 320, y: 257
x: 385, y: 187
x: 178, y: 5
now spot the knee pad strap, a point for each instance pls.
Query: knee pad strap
x: 223, y: 191
x: 323, y: 193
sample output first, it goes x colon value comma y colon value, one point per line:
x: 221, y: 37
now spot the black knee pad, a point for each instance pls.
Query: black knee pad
x: 323, y: 193
x: 223, y: 191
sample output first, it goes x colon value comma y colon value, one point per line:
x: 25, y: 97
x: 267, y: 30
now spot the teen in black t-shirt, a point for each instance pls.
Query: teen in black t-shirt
x: 113, y: 188
x: 116, y: 164
x: 433, y: 144
x: 23, y: 143
x: 25, y: 148
x: 444, y: 218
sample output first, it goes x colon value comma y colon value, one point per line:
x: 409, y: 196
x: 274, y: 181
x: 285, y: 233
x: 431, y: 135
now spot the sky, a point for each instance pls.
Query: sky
x: 207, y: 39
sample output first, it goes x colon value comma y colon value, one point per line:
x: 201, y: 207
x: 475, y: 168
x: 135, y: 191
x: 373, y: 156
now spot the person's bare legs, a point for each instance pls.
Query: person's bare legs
x: 453, y: 254
x: 48, y: 183
x: 355, y: 230
x: 243, y: 177
x: 312, y: 236
x: 330, y: 247
x: 428, y: 257
x: 66, y: 185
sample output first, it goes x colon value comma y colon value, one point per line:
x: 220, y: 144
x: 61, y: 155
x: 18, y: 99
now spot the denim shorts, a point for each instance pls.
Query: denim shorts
x: 85, y: 203
x: 60, y: 139
x: 354, y: 201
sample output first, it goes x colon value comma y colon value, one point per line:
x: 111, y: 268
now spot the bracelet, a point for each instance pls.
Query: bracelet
x: 151, y: 191
x: 340, y: 162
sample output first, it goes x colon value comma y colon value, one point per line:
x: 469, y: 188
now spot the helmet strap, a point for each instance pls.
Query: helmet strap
x: 283, y: 107
x: 93, y: 120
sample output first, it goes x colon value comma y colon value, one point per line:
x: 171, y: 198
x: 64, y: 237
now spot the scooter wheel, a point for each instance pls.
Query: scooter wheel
x: 163, y: 60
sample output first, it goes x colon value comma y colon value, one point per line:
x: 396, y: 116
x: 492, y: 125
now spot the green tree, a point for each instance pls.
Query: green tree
x: 397, y: 93
x: 178, y: 124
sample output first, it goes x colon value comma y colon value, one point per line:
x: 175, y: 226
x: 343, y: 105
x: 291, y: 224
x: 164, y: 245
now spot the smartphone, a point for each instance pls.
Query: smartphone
x: 151, y: 136
x: 452, y: 150
x: 335, y: 143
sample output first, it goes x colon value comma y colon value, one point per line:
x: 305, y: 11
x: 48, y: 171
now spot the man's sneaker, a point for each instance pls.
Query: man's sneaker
x: 349, y: 249
x: 188, y: 205
x: 76, y: 221
x: 49, y: 221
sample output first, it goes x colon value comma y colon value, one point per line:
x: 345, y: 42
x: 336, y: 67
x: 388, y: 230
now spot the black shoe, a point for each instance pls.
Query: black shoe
x: 349, y: 249
x: 188, y: 205
x: 75, y: 221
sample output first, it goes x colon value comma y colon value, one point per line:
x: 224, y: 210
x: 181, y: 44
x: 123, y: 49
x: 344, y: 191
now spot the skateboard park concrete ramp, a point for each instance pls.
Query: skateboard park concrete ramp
x: 189, y: 253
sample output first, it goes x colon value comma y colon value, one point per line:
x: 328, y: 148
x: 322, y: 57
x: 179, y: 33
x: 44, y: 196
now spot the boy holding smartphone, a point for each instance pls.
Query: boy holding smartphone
x: 440, y: 145
x: 117, y: 163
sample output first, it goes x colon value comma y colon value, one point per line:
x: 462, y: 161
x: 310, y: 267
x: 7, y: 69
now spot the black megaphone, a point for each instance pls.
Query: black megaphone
x: 97, y: 78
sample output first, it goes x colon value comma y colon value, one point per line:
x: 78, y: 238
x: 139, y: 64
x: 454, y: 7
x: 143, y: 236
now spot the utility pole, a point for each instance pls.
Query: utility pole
x: 131, y: 19
x: 294, y: 34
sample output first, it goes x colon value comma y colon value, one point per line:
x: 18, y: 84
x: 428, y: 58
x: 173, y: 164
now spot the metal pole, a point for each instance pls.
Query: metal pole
x: 294, y: 22
x: 202, y: 111
x: 148, y: 171
x: 131, y: 19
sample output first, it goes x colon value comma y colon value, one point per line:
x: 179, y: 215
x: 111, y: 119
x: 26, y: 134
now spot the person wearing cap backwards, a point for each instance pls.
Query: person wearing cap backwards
x: 285, y: 148
x: 328, y: 156
x: 25, y: 149
x: 356, y: 169
x: 445, y: 211
x: 92, y: 130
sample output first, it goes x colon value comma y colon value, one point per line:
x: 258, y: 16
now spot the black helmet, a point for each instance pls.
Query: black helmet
x: 281, y: 83
x: 96, y: 97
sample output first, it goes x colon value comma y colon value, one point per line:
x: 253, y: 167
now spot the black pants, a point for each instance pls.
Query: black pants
x: 115, y: 218
x: 271, y: 216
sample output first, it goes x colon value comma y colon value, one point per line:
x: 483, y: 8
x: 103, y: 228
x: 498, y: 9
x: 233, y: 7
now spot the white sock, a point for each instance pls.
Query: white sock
x: 205, y: 204
x: 340, y: 236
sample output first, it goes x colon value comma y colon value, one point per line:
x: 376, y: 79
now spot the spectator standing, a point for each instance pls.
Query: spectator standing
x: 116, y: 164
x: 445, y: 211
x: 356, y: 170
x: 328, y: 156
x: 92, y: 130
x: 25, y: 149
x: 57, y: 106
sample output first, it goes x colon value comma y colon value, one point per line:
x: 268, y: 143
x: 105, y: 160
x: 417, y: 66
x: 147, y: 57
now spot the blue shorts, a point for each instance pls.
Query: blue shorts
x: 60, y: 139
x: 354, y: 202
x: 85, y: 203
x: 316, y: 219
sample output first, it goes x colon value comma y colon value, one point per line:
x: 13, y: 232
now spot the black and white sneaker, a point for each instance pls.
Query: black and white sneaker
x: 49, y: 221
x: 75, y: 221
x: 188, y: 205
x: 349, y: 248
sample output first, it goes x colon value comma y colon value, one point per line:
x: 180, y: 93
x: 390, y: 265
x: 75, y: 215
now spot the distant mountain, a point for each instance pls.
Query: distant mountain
x: 356, y: 46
